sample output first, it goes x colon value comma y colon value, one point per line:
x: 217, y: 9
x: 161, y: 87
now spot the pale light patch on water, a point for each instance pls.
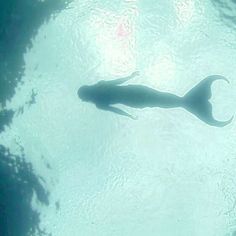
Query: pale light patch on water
x: 184, y: 11
x: 115, y: 36
x: 162, y: 68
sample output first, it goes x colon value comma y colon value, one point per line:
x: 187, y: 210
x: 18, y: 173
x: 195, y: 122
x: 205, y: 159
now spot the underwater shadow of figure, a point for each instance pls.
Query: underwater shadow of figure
x: 104, y: 94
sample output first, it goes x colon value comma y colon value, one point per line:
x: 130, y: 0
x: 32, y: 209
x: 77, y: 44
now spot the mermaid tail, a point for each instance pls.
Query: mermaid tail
x: 197, y: 102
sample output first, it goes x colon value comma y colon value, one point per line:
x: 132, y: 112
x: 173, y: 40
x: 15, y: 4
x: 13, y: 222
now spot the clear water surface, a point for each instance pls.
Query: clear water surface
x: 166, y: 173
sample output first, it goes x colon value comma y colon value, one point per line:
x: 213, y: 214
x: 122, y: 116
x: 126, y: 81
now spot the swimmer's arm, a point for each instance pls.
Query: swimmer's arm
x: 120, y: 80
x: 124, y: 79
x: 116, y: 110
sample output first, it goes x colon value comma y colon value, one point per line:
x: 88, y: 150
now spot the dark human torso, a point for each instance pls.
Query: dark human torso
x: 137, y: 96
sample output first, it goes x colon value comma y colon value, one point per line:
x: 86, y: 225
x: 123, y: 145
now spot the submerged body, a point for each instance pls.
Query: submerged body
x: 136, y: 96
x: 104, y: 94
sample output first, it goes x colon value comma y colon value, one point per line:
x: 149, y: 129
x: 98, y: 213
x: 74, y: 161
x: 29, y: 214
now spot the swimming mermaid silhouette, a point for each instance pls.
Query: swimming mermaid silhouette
x: 104, y: 94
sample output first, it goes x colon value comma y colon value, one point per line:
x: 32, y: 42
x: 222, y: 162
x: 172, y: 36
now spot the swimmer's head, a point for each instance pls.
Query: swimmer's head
x: 83, y: 93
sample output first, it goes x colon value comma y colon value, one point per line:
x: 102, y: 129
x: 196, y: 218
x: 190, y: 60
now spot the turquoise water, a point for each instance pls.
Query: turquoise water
x: 96, y: 173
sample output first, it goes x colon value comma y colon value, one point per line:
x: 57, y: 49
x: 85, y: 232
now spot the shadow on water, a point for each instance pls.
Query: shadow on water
x: 19, y: 24
x: 105, y: 94
x: 5, y: 118
x: 18, y: 183
x: 227, y: 11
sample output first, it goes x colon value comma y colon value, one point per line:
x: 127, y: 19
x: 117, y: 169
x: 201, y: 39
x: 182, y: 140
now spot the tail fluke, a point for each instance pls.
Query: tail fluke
x: 196, y: 101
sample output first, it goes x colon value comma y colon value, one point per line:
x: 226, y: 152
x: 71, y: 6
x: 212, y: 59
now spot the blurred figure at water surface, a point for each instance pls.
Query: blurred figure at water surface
x: 105, y: 94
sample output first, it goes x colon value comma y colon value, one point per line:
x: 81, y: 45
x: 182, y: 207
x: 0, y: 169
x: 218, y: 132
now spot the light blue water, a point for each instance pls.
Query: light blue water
x: 166, y: 173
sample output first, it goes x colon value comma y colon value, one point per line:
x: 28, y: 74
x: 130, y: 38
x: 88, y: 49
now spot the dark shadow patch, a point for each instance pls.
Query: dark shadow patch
x: 5, y: 118
x: 19, y: 24
x: 18, y: 184
x: 227, y: 11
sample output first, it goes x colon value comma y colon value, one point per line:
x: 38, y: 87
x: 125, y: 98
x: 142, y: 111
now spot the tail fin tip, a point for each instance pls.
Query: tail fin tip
x: 196, y: 101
